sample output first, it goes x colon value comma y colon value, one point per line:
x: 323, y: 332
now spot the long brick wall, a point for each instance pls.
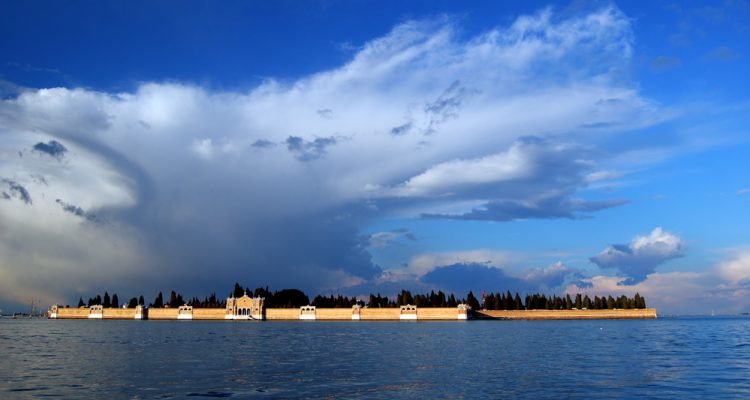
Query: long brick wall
x: 162, y: 313
x: 209, y: 313
x: 568, y: 314
x: 379, y: 314
x: 275, y: 314
x: 73, y: 313
x: 365, y: 314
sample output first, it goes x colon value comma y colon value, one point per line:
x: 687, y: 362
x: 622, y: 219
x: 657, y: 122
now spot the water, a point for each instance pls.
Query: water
x: 664, y: 358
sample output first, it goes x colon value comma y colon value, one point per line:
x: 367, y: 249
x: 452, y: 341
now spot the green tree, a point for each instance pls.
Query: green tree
x: 133, y: 303
x: 237, y: 291
x: 115, y: 301
x: 80, y: 302
x: 517, y: 302
x: 640, y: 302
x: 159, y: 301
x: 452, y: 301
x: 472, y: 301
x: 579, y: 301
x: 106, y: 303
x: 587, y: 303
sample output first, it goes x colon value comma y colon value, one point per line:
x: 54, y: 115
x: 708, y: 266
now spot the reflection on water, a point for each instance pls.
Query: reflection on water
x: 664, y: 358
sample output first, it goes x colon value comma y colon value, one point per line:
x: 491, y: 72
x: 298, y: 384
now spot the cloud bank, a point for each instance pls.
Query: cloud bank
x: 194, y: 189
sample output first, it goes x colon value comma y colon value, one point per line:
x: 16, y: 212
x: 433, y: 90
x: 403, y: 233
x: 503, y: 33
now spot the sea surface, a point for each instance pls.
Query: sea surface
x: 674, y: 358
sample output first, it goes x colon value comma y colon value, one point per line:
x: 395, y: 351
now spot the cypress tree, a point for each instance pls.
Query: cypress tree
x: 159, y: 301
x: 518, y: 304
x: 579, y: 302
x: 115, y: 301
x: 80, y: 302
x: 510, y: 304
x: 106, y: 303
x: 141, y: 302
x: 587, y: 303
x: 472, y: 301
x: 640, y: 302
x: 237, y: 291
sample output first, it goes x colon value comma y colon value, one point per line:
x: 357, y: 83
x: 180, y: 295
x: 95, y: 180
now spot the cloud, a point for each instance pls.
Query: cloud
x: 383, y: 239
x: 743, y: 191
x: 532, y: 179
x: 191, y: 203
x: 203, y: 148
x: 461, y: 278
x: 401, y: 129
x: 598, y: 176
x: 641, y: 257
x: 737, y: 269
x: 722, y: 53
x: 52, y: 148
x: 553, y: 208
x: 552, y: 276
x: 663, y: 63
x: 263, y: 144
x: 75, y: 210
x: 309, y: 150
x: 14, y: 190
x: 325, y: 113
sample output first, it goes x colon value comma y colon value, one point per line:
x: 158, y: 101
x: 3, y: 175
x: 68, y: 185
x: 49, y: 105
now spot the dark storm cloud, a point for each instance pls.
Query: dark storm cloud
x: 401, y: 129
x: 461, y: 278
x: 263, y: 144
x: 75, y: 210
x: 52, y: 148
x: 15, y: 190
x: 309, y: 150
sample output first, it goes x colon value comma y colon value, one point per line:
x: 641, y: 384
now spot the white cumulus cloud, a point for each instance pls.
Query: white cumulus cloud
x: 642, y: 255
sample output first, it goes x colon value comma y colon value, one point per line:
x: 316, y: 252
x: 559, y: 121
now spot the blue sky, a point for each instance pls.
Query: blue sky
x: 350, y: 147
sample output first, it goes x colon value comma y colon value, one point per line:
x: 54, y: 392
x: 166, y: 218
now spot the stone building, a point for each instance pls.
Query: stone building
x: 245, y: 307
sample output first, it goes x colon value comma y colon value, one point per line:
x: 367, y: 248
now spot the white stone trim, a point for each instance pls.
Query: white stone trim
x: 462, y: 316
x: 309, y: 317
x: 96, y: 316
x: 184, y: 316
x: 355, y: 317
x: 243, y: 317
x: 411, y: 317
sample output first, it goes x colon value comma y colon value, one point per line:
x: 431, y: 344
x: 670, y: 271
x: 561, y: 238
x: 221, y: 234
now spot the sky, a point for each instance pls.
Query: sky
x: 360, y: 147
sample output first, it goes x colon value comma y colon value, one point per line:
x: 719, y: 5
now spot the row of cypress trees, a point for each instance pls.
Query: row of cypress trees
x: 506, y: 301
x: 294, y: 298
